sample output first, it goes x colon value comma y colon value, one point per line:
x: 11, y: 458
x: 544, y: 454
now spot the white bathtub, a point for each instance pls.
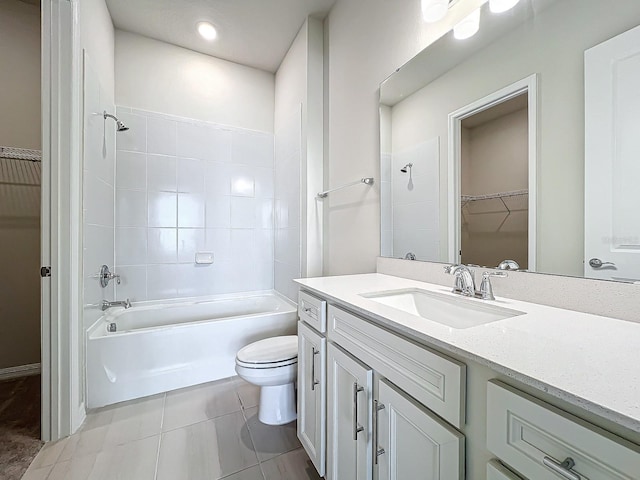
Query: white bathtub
x: 161, y: 346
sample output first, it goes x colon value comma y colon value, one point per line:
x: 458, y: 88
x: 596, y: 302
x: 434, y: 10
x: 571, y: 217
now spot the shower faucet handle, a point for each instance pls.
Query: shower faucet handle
x: 106, y: 276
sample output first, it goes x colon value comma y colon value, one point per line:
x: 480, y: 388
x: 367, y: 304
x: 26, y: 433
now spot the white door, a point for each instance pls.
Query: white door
x: 349, y: 388
x: 312, y: 383
x: 413, y: 443
x: 612, y: 158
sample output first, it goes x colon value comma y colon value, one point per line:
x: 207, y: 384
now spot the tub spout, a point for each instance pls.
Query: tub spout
x: 107, y: 304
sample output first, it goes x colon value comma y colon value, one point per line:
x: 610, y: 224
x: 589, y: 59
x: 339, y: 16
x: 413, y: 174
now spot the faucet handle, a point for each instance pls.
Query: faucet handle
x: 486, y: 289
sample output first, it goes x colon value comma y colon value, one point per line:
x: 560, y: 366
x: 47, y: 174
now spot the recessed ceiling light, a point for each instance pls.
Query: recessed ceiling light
x: 468, y: 27
x: 499, y: 6
x: 207, y: 31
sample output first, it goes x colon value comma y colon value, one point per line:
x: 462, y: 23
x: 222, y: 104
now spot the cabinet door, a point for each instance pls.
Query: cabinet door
x: 312, y: 403
x: 349, y: 387
x: 413, y: 443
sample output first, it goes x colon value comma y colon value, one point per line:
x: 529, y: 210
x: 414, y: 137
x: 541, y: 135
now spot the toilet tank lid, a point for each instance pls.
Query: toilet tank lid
x: 269, y: 350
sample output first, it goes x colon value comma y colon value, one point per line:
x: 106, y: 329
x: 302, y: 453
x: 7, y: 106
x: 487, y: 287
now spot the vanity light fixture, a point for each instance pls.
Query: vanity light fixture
x: 207, y: 31
x: 468, y: 27
x: 434, y: 10
x: 499, y: 6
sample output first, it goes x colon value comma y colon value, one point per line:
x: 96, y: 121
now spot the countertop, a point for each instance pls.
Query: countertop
x: 590, y: 361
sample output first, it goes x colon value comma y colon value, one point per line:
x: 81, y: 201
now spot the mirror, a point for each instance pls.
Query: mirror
x: 433, y: 204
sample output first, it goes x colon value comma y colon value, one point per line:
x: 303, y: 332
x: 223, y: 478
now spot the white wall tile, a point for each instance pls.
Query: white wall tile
x: 219, y: 141
x: 191, y: 175
x: 131, y: 208
x: 195, y: 280
x: 242, y: 181
x: 191, y: 210
x: 241, y: 244
x: 161, y: 136
x: 264, y: 213
x: 162, y: 281
x: 263, y: 246
x: 264, y: 182
x: 250, y: 148
x: 162, y: 245
x: 243, y: 212
x: 134, y: 139
x: 162, y: 173
x: 194, y: 141
x: 218, y: 241
x: 218, y: 178
x: 163, y: 209
x: 131, y: 246
x: 98, y: 203
x: 190, y: 241
x: 133, y: 283
x: 218, y: 211
x: 131, y: 171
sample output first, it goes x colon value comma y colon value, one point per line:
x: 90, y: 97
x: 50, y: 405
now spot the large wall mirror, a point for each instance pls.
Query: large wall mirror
x: 484, y: 155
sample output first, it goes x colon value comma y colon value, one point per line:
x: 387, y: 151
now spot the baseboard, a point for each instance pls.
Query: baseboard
x: 79, y: 418
x: 19, y: 371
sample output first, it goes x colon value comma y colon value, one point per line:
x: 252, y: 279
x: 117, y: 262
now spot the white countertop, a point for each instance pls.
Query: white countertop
x: 590, y: 361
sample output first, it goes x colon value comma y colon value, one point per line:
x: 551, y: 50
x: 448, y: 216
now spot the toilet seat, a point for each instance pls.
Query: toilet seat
x: 272, y: 352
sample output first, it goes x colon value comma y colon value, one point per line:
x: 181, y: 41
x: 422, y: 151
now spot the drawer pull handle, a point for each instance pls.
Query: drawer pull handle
x: 563, y: 468
x: 356, y: 428
x: 314, y: 382
x: 377, y: 406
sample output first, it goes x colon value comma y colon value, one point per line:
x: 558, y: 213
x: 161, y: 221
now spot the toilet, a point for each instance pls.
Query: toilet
x: 272, y: 364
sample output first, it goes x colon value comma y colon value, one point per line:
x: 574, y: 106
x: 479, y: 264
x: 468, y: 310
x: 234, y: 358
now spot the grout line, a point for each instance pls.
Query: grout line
x: 164, y: 403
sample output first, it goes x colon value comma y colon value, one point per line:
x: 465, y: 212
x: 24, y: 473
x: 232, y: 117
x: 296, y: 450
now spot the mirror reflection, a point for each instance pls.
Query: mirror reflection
x: 484, y: 157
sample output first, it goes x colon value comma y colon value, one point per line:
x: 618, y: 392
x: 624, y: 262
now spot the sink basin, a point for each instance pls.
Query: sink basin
x: 456, y: 312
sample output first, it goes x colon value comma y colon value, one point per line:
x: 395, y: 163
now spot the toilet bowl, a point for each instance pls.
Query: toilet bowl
x: 272, y: 364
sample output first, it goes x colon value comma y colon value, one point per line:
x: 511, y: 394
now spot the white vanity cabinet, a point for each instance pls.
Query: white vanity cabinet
x: 413, y: 443
x: 312, y: 379
x: 312, y: 353
x: 349, y: 394
x: 541, y: 441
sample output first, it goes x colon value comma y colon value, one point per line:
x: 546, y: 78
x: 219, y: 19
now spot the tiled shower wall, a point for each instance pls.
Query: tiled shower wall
x: 184, y: 186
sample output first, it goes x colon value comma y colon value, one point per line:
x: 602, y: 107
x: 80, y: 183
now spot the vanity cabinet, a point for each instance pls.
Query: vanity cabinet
x: 350, y: 393
x: 541, y: 441
x: 312, y: 353
x: 411, y: 441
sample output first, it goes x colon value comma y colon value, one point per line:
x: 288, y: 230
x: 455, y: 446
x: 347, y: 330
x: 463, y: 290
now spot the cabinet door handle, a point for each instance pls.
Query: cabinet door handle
x: 377, y: 406
x: 356, y: 428
x: 563, y: 469
x: 314, y: 382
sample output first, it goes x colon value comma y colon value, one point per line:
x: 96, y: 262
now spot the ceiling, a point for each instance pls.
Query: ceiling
x: 257, y: 33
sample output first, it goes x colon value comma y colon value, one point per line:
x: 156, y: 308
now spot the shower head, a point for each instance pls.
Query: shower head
x: 120, y: 127
x: 406, y: 168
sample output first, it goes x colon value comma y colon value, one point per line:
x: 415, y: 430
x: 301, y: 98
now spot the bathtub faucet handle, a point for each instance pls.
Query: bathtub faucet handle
x: 106, y: 276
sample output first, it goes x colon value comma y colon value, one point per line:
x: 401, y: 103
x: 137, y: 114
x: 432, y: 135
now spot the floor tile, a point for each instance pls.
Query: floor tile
x: 85, y: 442
x: 197, y: 404
x: 249, y: 394
x: 40, y: 473
x: 49, y: 454
x: 206, y: 450
x: 131, y: 461
x: 253, y: 473
x: 294, y: 465
x: 271, y: 440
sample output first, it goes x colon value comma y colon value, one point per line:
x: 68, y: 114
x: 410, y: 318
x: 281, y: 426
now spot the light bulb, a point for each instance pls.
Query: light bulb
x: 467, y: 27
x: 499, y: 6
x: 207, y: 31
x: 434, y: 10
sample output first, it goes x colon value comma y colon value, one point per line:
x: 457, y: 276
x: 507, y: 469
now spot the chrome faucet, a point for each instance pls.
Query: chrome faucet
x: 410, y: 256
x: 107, y: 304
x: 465, y: 282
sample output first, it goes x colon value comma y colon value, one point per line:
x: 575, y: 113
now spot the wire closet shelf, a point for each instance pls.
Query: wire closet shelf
x: 20, y: 180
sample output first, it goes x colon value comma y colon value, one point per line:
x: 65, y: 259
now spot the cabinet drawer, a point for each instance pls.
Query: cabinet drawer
x: 435, y: 381
x: 497, y: 471
x: 535, y: 438
x: 313, y: 311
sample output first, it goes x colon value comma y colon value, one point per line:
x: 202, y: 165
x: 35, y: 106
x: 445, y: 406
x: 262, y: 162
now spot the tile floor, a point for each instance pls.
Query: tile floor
x: 206, y: 432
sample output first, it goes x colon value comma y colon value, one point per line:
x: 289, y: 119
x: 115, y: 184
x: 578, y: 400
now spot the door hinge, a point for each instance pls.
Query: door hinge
x: 45, y: 272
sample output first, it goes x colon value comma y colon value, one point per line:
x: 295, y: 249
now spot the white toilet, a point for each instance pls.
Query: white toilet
x: 272, y: 364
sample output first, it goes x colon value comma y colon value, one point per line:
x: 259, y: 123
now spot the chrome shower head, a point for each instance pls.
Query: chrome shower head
x: 120, y: 127
x: 406, y: 168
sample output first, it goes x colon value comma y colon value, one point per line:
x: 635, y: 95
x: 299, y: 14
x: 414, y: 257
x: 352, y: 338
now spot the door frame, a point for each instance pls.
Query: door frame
x: 530, y: 86
x: 61, y: 228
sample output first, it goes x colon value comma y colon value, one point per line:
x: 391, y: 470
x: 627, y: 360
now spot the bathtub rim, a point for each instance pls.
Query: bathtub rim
x: 149, y: 304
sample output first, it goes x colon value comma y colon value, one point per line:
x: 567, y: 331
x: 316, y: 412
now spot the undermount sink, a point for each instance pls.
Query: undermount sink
x: 456, y: 312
